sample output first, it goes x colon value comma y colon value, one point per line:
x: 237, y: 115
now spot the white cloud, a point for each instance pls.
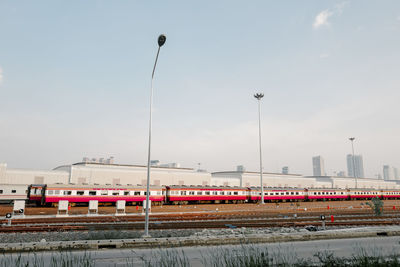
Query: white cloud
x: 321, y: 19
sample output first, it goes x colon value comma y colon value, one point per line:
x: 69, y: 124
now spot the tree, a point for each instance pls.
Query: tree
x: 376, y: 205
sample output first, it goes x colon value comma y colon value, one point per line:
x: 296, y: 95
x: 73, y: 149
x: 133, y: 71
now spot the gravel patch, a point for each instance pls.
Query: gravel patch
x: 115, y: 234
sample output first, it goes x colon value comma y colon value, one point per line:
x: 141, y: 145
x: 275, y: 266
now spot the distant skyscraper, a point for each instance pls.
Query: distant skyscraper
x: 358, y: 169
x: 318, y: 166
x: 387, y: 172
x: 396, y: 173
x: 285, y: 170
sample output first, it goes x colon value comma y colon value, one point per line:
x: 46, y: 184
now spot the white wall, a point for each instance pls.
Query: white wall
x: 19, y: 176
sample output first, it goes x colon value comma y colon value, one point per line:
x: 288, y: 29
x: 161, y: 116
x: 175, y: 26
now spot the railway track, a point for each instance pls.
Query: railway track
x: 189, y: 221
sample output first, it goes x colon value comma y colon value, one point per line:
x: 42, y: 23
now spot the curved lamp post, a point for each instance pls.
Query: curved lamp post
x: 161, y: 41
x: 259, y: 96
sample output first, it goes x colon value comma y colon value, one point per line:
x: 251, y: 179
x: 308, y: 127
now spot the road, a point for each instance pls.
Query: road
x: 196, y: 255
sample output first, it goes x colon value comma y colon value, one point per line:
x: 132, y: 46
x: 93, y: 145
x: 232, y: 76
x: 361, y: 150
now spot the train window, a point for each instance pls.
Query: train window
x: 104, y: 192
x: 229, y: 193
x: 49, y: 192
x: 1, y: 191
x: 80, y: 193
x: 158, y: 192
x: 222, y: 193
x: 115, y: 193
x: 282, y: 194
x: 183, y: 193
x: 92, y: 193
x: 191, y: 192
x: 297, y: 193
x: 137, y: 193
x: 56, y: 192
x: 207, y: 192
x: 199, y: 193
x: 276, y: 193
x: 67, y: 193
x: 126, y: 193
x: 271, y: 194
x: 13, y: 191
x: 292, y: 193
x: 319, y: 193
x: 287, y: 193
x: 235, y: 193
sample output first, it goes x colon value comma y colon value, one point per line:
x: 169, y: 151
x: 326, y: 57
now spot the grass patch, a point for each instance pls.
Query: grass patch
x: 61, y: 259
x: 246, y: 255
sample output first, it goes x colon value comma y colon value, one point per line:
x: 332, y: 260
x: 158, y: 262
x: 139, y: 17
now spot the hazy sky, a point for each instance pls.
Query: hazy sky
x: 75, y: 81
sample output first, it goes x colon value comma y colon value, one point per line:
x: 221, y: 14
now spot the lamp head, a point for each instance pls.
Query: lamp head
x: 161, y: 40
x: 259, y: 95
x: 352, y: 138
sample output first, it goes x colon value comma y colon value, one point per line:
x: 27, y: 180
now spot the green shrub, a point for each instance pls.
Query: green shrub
x: 376, y: 205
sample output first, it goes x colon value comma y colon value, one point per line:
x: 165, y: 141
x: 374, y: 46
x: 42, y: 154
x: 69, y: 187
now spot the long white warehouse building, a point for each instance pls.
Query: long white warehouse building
x: 101, y: 173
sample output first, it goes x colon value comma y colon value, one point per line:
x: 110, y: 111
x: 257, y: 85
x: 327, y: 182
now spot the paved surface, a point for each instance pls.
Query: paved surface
x: 291, y: 251
x: 196, y: 255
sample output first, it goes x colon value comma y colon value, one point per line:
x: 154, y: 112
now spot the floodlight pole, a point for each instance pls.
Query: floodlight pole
x: 354, y: 163
x: 259, y: 96
x: 161, y: 40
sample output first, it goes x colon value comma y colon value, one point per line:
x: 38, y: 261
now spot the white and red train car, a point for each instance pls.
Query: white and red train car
x: 11, y: 192
x: 53, y: 193
x: 181, y: 194
x: 327, y: 194
x: 276, y: 194
x: 364, y: 193
x: 390, y: 193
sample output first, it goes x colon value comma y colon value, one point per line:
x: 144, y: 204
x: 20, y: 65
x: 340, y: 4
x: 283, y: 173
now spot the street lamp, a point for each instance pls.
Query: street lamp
x: 354, y: 165
x: 161, y: 41
x: 259, y: 96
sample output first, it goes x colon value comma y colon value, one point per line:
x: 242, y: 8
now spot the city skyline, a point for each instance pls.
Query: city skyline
x: 76, y: 83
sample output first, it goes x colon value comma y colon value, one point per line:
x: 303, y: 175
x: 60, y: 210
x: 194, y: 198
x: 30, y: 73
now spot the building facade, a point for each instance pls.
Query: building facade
x: 355, y: 168
x: 387, y: 173
x: 318, y: 166
x: 114, y: 174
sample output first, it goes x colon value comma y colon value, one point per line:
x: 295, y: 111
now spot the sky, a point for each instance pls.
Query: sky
x: 75, y: 81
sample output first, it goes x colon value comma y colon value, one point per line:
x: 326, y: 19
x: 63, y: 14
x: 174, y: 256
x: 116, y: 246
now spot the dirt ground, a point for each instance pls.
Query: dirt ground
x: 274, y: 208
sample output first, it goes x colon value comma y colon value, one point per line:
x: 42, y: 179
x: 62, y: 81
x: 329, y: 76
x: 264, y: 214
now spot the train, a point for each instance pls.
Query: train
x: 51, y: 194
x: 11, y: 192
